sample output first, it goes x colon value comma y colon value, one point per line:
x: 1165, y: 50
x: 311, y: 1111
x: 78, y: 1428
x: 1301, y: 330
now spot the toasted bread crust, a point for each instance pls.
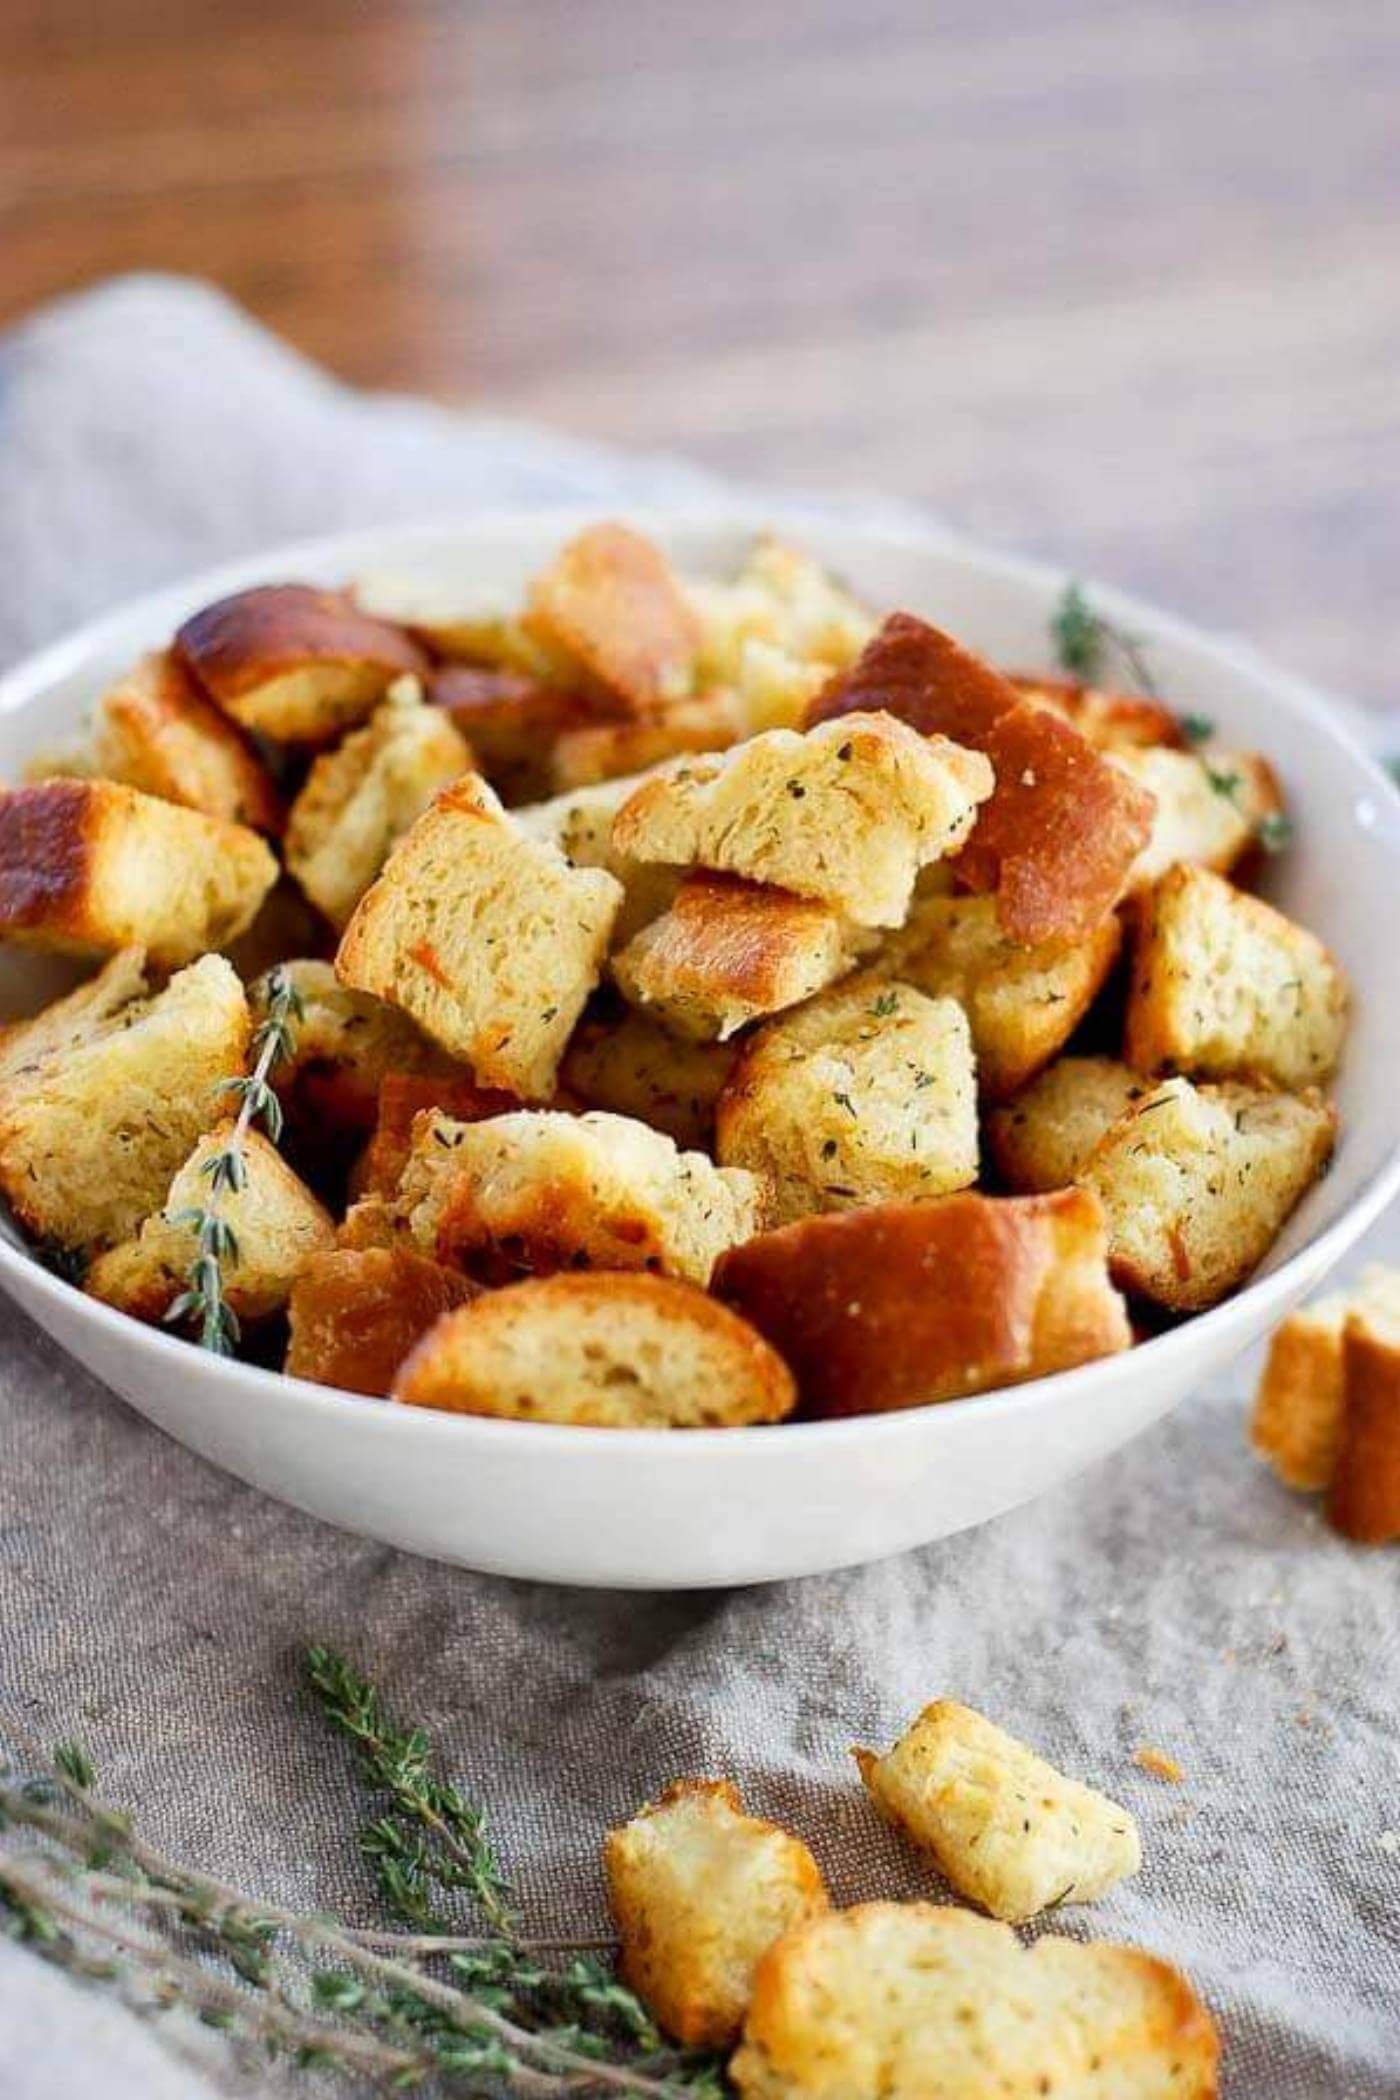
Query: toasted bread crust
x: 1301, y: 1398
x: 610, y: 602
x: 48, y: 836
x: 915, y: 671
x: 242, y: 648
x: 512, y: 722
x: 155, y: 730
x: 1111, y: 721
x: 1364, y: 1500
x: 729, y: 951
x: 905, y: 1304
x: 356, y: 1313
x: 403, y: 1097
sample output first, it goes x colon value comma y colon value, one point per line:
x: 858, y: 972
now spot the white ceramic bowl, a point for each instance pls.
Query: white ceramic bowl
x: 649, y: 1509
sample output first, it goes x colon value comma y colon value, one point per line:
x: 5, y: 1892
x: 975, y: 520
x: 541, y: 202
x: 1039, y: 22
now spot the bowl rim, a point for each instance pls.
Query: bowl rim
x: 1246, y: 1309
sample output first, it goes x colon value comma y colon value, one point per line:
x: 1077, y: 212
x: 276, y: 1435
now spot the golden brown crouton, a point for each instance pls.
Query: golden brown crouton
x: 1003, y: 1826
x: 359, y: 798
x: 909, y: 2001
x: 1023, y: 1004
x: 154, y: 730
x: 848, y: 812
x: 355, y: 1314
x: 95, y: 1120
x: 608, y: 1351
x: 294, y: 664
x: 1226, y: 987
x: 511, y: 721
x: 485, y: 936
x: 463, y: 622
x: 610, y: 603
x: 1298, y: 1407
x: 403, y: 1097
x: 89, y: 866
x: 286, y: 927
x: 1198, y: 1182
x: 783, y: 602
x: 344, y: 1047
x: 276, y: 1222
x: 78, y: 1017
x: 864, y: 1094
x: 1040, y: 1140
x: 729, y: 951
x: 904, y: 1304
x: 1364, y: 1500
x: 699, y: 1892
x: 1209, y: 809
x: 539, y: 1191
x: 589, y: 752
x: 580, y: 825
x: 1110, y: 721
x: 630, y: 1066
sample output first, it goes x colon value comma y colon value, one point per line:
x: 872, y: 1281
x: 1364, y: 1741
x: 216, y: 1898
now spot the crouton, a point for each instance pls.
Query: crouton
x: 538, y: 1191
x: 463, y: 622
x: 1004, y: 1827
x: 905, y: 1304
x: 1198, y: 1182
x: 610, y: 603
x: 154, y: 730
x: 1023, y: 1004
x: 729, y: 951
x: 1209, y: 810
x: 403, y: 1097
x: 1226, y: 987
x: 277, y: 1227
x: 484, y: 936
x: 848, y: 812
x: 355, y: 1314
x: 359, y: 798
x: 344, y: 1048
x: 607, y: 1352
x: 285, y: 928
x: 630, y: 1066
x: 294, y: 664
x: 699, y: 1891
x: 1057, y: 838
x: 783, y: 602
x: 912, y: 2000
x: 511, y: 721
x: 96, y: 1120
x: 590, y: 752
x: 1110, y: 721
x: 1297, y: 1421
x: 866, y: 1094
x: 89, y: 866
x: 580, y: 824
x: 1041, y: 1139
x: 80, y: 1016
x: 1364, y: 1500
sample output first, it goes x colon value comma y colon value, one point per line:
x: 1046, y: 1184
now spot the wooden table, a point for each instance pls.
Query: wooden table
x: 1118, y: 282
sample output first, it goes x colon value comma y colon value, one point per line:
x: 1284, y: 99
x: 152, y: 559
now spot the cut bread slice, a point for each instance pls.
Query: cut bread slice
x: 1007, y: 1829
x: 866, y: 1094
x: 847, y: 813
x: 1364, y: 1499
x: 727, y: 952
x: 355, y: 1314
x: 1042, y: 1138
x: 611, y: 605
x: 699, y: 1892
x: 294, y: 664
x: 588, y: 752
x: 1301, y: 1398
x: 539, y: 1191
x: 90, y: 866
x: 155, y: 730
x: 95, y: 1121
x: 609, y: 1351
x: 906, y: 1304
x: 484, y: 936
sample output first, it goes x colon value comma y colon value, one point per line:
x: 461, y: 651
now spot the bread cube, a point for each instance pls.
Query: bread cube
x: 580, y: 824
x: 1004, y: 1827
x: 80, y: 1016
x: 100, y: 1104
x: 538, y: 1191
x: 911, y: 2000
x: 865, y: 1094
x: 511, y: 720
x: 292, y: 663
x: 1198, y: 1182
x: 630, y: 1066
x: 485, y: 937
x: 285, y: 928
x: 1023, y: 1004
x: 344, y: 1047
x: 611, y: 605
x: 1364, y: 1499
x: 907, y: 1304
x: 277, y: 1224
x: 154, y: 730
x: 588, y: 752
x: 1301, y: 1399
x: 608, y: 1351
x: 360, y: 798
x: 89, y: 866
x: 1110, y: 721
x: 728, y: 952
x: 782, y: 601
x: 699, y: 1892
x: 1226, y: 987
x: 848, y: 812
x: 403, y: 1097
x: 1042, y: 1138
x: 1209, y: 810
x: 464, y: 622
x: 356, y: 1313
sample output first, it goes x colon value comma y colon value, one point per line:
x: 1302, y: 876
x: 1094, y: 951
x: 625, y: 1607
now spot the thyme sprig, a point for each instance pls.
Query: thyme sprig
x: 203, y: 1302
x: 1085, y: 642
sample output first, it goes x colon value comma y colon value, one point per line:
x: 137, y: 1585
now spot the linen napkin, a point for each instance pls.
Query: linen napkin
x: 1173, y: 1597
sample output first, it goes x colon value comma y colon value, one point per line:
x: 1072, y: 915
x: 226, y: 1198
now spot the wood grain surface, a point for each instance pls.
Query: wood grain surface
x: 1116, y: 282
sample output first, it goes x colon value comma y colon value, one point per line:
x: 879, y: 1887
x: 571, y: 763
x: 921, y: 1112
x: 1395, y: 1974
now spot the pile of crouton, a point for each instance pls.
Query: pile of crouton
x: 718, y: 1003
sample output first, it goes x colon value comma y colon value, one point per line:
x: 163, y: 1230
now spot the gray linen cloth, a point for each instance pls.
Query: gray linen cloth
x: 1175, y: 1596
